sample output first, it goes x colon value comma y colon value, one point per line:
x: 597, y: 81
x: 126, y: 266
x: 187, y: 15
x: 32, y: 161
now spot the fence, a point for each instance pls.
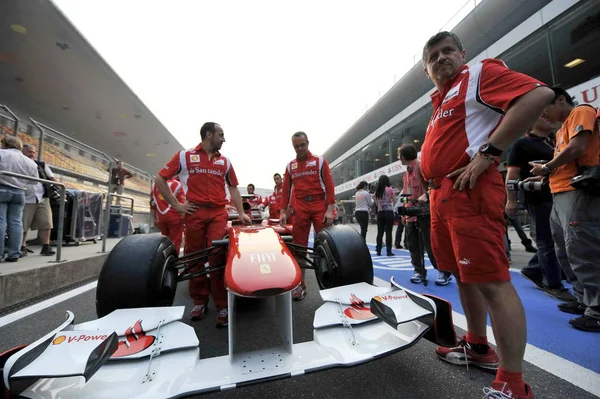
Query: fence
x: 5, y: 120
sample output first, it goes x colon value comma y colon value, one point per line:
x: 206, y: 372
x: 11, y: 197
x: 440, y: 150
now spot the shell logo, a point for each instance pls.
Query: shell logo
x: 59, y: 340
x: 377, y: 298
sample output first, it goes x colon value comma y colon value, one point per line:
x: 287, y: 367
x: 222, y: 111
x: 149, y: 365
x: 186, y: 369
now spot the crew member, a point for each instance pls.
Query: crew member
x: 313, y: 194
x: 273, y: 201
x: 164, y: 214
x: 258, y: 199
x: 575, y: 221
x: 203, y: 173
x: 479, y: 111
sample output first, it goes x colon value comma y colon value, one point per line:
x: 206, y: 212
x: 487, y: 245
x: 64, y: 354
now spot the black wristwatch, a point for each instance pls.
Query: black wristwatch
x: 489, y: 149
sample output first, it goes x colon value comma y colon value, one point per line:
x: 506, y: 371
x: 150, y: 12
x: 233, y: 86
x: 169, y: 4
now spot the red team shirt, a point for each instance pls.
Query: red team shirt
x: 309, y: 177
x: 257, y: 200
x: 203, y: 180
x: 274, y: 201
x: 164, y: 210
x: 467, y: 112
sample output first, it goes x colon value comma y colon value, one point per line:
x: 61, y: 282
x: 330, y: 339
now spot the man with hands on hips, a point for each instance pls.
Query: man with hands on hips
x: 203, y: 173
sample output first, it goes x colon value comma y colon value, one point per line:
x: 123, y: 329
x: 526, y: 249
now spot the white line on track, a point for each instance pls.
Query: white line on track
x: 577, y: 375
x: 19, y: 314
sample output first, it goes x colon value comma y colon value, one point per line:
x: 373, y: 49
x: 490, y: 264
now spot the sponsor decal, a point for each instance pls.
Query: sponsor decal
x: 135, y: 341
x: 263, y: 257
x: 358, y: 310
x: 265, y: 268
x: 305, y: 173
x: 81, y: 338
x: 312, y: 163
x: 381, y: 298
x: 452, y: 93
x: 59, y: 340
x: 219, y: 162
x: 194, y: 158
x: 464, y: 261
x: 294, y: 165
x: 197, y: 170
x: 441, y: 114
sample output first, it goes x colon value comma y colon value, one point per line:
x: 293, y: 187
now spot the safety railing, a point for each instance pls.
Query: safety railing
x: 61, y: 137
x: 61, y: 207
x: 107, y: 216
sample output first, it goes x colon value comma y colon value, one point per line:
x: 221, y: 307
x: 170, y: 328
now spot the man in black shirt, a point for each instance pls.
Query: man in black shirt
x: 536, y: 145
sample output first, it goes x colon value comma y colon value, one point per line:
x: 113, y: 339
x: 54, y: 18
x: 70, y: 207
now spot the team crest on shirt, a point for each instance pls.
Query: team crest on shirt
x: 452, y: 93
x: 312, y: 163
x: 219, y: 162
x: 294, y: 165
x: 195, y: 158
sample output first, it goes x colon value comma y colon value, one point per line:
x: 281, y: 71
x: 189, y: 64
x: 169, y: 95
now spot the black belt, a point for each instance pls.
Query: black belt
x: 435, y: 183
x: 210, y: 205
x: 310, y: 198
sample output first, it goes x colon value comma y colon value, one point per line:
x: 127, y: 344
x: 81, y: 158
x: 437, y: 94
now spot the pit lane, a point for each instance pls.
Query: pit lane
x: 412, y: 373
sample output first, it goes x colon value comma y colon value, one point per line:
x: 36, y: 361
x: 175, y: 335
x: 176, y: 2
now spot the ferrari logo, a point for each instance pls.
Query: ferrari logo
x: 265, y: 268
x: 294, y: 166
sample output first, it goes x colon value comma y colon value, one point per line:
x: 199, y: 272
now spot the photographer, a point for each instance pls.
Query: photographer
x: 543, y: 269
x: 417, y: 227
x: 575, y: 219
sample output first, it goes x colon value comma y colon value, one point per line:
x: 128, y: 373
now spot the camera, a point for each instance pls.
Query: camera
x: 410, y: 211
x: 588, y: 180
x: 519, y: 185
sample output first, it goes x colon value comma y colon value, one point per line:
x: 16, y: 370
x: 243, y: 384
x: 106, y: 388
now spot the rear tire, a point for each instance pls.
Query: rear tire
x: 137, y: 274
x: 344, y: 257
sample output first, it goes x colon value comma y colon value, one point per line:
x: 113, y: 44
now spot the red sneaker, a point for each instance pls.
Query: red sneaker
x: 463, y: 355
x: 501, y: 390
x: 222, y: 318
x: 197, y: 312
x: 299, y: 292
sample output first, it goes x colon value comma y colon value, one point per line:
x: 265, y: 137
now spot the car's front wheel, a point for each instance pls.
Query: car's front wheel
x: 137, y: 274
x: 342, y: 257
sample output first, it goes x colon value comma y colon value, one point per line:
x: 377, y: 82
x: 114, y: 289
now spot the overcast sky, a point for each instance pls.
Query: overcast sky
x: 262, y: 69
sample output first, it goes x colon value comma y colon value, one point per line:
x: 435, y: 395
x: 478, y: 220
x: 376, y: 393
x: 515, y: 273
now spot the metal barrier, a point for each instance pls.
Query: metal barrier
x: 107, y: 216
x: 63, y: 138
x: 61, y: 208
x: 14, y: 119
x: 151, y: 178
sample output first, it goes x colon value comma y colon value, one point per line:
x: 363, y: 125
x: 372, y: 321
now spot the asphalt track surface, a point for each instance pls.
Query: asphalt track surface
x: 412, y: 373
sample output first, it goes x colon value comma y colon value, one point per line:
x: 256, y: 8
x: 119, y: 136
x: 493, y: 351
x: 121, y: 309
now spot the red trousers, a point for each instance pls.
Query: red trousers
x: 174, y: 230
x: 305, y: 214
x: 205, y: 225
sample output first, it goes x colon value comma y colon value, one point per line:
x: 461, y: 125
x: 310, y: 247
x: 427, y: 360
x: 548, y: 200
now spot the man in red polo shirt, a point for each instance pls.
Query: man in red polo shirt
x: 203, y: 173
x: 313, y: 193
x: 164, y: 215
x: 479, y: 111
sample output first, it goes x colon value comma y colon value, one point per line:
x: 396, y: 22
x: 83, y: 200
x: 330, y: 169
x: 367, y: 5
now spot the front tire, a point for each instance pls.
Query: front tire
x: 344, y: 257
x: 137, y: 274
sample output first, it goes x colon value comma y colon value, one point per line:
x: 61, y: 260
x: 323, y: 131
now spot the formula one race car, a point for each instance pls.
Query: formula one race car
x: 255, y: 212
x: 138, y: 348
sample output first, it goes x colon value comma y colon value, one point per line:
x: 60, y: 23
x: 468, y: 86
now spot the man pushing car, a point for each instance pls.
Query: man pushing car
x: 203, y: 173
x: 309, y: 183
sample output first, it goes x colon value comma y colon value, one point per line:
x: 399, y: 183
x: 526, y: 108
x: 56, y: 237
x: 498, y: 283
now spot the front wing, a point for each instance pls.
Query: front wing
x: 157, y: 356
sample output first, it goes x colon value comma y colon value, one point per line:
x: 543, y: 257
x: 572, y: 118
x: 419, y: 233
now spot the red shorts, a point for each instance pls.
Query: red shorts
x: 468, y: 227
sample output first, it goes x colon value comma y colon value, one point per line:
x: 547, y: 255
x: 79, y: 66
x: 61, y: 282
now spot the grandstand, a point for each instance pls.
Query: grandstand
x: 79, y: 170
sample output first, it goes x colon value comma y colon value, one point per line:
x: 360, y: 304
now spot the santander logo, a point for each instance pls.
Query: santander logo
x: 135, y: 341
